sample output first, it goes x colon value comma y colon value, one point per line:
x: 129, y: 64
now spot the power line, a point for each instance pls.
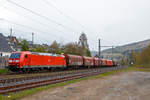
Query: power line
x: 32, y: 20
x: 14, y: 31
x: 35, y: 13
x: 64, y: 14
x: 29, y: 33
x: 61, y: 12
x: 22, y: 35
x: 26, y: 26
x: 40, y: 15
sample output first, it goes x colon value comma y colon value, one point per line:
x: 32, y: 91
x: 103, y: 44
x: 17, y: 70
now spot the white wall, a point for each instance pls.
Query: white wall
x: 5, y: 54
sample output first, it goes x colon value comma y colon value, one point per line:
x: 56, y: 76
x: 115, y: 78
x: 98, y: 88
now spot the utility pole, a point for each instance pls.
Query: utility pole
x: 112, y: 52
x: 32, y: 38
x: 10, y: 32
x: 99, y: 49
x: 99, y: 54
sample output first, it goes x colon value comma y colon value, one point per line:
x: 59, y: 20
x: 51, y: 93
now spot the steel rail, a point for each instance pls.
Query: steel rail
x: 29, y: 85
x: 25, y: 77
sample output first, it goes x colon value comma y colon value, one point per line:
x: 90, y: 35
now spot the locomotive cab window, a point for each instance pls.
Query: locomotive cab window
x: 15, y: 55
x: 26, y: 56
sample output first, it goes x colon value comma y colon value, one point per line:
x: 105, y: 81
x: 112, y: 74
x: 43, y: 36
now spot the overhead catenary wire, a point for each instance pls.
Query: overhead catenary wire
x: 61, y: 12
x: 35, y: 13
x: 32, y: 19
x: 22, y: 36
x: 26, y: 27
x: 32, y: 27
x: 40, y: 15
x: 23, y: 31
x: 67, y: 16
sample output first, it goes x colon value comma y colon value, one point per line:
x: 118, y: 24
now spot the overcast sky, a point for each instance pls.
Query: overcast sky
x: 116, y: 22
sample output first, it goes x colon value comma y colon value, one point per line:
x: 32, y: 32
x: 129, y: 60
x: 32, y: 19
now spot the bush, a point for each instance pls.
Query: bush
x: 142, y: 58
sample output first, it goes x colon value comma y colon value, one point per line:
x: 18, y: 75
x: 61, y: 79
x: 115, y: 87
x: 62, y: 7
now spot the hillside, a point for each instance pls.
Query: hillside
x: 129, y: 47
x: 120, y: 51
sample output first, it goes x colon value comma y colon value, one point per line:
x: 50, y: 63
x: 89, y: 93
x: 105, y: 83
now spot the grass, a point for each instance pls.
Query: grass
x: 22, y: 94
x: 4, y: 71
x: 139, y: 68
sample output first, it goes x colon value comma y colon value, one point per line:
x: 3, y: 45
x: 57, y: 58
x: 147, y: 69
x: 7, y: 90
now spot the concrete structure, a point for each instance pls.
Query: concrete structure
x: 83, y: 40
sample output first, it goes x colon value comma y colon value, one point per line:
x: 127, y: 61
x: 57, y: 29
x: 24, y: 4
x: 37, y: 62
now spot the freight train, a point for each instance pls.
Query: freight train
x: 29, y: 61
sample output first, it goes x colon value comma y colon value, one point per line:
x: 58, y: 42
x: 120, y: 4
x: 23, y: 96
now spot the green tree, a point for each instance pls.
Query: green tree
x: 88, y: 53
x: 134, y: 57
x: 38, y: 49
x: 142, y: 58
x: 24, y: 45
x: 75, y: 49
x: 70, y: 48
x: 124, y: 61
x: 55, y: 48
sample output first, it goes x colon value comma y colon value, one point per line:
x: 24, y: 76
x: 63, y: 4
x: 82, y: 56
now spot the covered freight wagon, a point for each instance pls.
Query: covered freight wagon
x: 103, y: 62
x: 88, y: 61
x: 73, y: 60
x: 109, y: 62
x: 96, y: 62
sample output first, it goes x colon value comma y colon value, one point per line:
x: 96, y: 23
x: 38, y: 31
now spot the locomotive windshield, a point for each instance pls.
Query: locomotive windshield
x: 15, y: 55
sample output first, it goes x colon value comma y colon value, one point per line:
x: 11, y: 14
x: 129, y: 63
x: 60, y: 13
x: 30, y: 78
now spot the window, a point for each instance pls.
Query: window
x: 15, y: 55
x: 26, y: 56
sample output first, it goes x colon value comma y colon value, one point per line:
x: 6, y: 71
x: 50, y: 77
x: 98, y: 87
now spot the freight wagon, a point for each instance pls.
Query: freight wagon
x: 73, y: 60
x: 88, y: 61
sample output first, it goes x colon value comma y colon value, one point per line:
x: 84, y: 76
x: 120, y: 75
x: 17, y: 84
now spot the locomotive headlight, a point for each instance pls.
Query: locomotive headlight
x: 17, y: 61
x: 10, y: 60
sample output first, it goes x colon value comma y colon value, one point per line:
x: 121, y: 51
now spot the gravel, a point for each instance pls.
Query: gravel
x: 122, y: 86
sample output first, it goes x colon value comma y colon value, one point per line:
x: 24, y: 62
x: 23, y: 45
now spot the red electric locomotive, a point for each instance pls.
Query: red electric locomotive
x: 26, y: 60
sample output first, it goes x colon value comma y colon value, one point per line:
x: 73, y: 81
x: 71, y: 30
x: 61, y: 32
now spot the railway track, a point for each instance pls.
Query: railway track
x: 14, y: 85
x: 10, y: 78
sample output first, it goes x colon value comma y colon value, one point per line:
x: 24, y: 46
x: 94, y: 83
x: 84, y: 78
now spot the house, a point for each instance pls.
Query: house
x: 5, y: 48
x: 13, y: 43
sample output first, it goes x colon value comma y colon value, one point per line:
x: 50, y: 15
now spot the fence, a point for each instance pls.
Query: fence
x: 4, y: 61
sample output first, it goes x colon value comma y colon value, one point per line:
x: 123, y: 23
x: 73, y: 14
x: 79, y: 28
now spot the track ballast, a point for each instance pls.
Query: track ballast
x: 15, y: 85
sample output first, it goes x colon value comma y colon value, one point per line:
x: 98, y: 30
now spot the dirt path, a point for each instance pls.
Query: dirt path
x: 124, y: 86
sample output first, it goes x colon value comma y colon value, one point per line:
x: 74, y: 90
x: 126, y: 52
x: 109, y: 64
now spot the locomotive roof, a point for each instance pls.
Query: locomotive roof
x: 38, y: 53
x: 45, y: 54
